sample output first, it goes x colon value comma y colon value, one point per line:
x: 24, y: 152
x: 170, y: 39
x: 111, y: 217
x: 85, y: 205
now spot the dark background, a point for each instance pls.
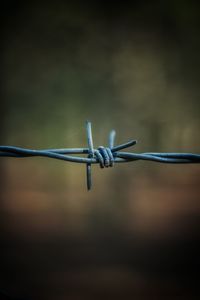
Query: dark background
x: 133, y: 67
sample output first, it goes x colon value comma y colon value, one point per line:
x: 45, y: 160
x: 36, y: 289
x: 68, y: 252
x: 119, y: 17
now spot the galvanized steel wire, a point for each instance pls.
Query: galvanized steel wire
x: 104, y: 156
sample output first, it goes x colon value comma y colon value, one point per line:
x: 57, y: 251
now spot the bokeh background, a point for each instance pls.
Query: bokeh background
x: 129, y: 66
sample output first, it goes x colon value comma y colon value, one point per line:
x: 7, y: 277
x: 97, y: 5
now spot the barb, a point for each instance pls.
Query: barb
x: 90, y: 154
x: 104, y: 156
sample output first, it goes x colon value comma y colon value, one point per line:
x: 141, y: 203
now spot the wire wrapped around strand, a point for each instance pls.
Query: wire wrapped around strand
x: 104, y: 156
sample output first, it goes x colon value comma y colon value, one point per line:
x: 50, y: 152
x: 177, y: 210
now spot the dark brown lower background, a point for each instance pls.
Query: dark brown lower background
x: 59, y: 246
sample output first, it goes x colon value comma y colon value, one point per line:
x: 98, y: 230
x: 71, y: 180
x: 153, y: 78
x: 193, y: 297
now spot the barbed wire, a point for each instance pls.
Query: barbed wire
x: 104, y: 156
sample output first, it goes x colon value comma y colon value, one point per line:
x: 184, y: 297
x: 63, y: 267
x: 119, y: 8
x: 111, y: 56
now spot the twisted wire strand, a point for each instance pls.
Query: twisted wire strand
x: 104, y: 156
x: 18, y: 152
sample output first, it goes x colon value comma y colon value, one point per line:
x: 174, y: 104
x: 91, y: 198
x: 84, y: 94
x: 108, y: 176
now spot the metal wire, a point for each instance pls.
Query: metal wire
x: 104, y: 156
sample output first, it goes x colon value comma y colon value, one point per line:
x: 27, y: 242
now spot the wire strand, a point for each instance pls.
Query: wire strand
x: 104, y: 156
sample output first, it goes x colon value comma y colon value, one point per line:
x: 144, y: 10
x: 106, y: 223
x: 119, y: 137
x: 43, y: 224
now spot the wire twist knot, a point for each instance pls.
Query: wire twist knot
x: 104, y: 156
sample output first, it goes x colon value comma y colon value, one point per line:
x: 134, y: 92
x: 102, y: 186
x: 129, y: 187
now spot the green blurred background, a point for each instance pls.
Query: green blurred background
x: 133, y: 67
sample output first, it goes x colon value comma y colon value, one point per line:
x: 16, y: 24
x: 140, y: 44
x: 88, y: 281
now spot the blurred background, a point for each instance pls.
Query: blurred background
x: 133, y: 67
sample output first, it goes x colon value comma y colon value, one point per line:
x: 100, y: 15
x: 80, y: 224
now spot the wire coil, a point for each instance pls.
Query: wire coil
x: 104, y: 156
